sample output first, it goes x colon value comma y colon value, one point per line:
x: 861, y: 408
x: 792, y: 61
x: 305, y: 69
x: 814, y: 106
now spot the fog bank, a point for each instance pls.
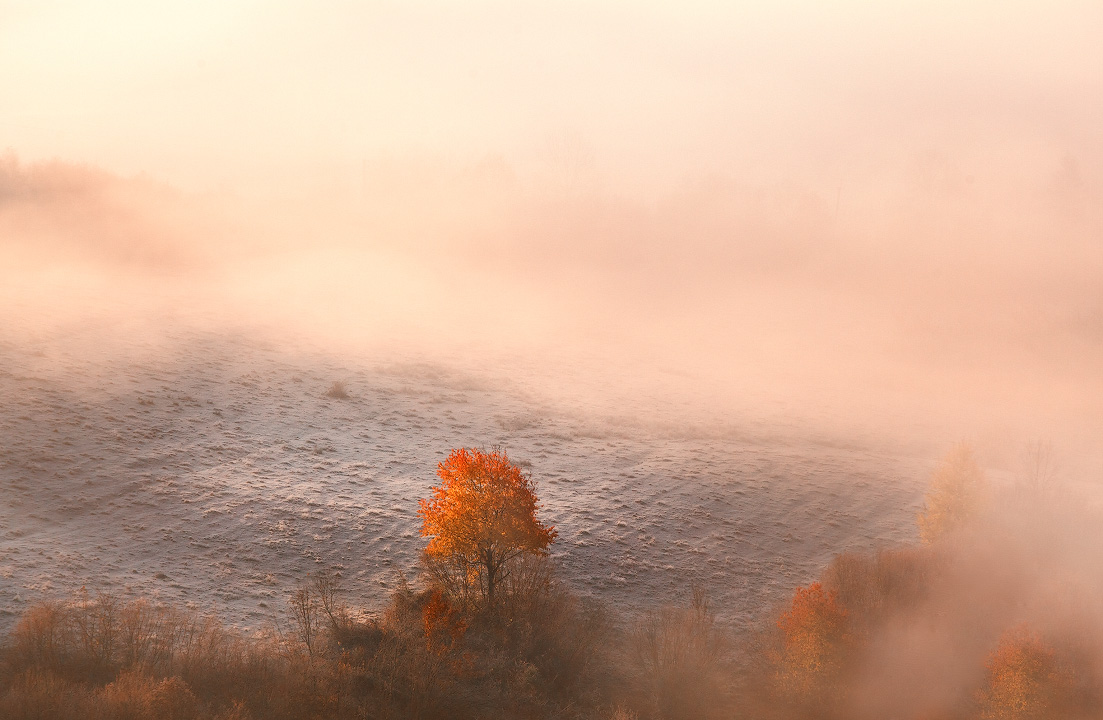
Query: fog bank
x: 868, y: 219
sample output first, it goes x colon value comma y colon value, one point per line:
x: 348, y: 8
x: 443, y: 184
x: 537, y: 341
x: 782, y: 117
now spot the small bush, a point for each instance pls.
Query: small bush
x: 679, y: 652
x: 41, y: 695
x: 130, y: 697
x: 41, y: 637
x: 337, y: 391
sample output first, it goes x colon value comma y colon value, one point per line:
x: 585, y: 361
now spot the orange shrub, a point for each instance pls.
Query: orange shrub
x: 443, y: 621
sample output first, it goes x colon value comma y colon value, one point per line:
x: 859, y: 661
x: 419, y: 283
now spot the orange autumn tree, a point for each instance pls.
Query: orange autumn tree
x: 480, y: 519
x: 1024, y: 680
x: 814, y: 636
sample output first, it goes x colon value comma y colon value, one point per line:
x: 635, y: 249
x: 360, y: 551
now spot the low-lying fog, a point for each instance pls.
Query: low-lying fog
x: 938, y: 315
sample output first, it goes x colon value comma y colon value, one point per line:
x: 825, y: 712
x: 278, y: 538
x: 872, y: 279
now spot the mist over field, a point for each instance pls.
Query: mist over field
x: 847, y: 208
x: 726, y: 279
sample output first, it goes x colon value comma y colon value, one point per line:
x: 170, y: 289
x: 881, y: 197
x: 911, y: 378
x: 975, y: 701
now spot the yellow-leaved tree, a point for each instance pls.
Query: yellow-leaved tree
x: 480, y: 519
x: 955, y: 494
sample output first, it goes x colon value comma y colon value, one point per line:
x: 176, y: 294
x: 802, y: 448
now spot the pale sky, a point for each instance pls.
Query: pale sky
x: 209, y: 93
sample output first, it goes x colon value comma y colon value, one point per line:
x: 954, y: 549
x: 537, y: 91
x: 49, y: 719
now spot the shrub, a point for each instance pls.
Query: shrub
x: 40, y: 695
x: 873, y: 587
x: 444, y: 623
x: 129, y: 697
x: 679, y: 651
x: 549, y: 627
x: 172, y: 699
x: 337, y: 391
x: 40, y: 638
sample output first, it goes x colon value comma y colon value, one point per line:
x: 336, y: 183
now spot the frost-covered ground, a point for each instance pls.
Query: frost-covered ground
x: 210, y: 468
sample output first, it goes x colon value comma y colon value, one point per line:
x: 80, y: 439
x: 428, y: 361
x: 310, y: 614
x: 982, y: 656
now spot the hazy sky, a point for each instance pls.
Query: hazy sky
x: 206, y: 93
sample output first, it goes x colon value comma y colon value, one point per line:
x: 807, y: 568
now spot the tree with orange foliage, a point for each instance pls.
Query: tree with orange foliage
x: 479, y: 520
x: 1024, y: 682
x: 813, y: 637
x: 955, y: 495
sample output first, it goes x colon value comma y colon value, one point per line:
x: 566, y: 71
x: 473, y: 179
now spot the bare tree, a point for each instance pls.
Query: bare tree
x: 1039, y: 474
x: 304, y: 607
x: 327, y: 589
x: 679, y: 651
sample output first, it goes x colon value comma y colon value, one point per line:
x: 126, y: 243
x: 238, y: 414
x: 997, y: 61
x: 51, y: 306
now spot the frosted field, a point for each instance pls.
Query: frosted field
x: 211, y: 469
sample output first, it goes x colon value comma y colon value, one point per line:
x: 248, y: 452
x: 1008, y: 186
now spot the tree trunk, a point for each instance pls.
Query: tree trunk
x: 491, y: 571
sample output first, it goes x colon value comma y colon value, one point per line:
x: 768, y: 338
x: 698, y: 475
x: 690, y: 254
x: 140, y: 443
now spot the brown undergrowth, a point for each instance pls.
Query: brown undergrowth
x: 994, y: 617
x: 542, y: 653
